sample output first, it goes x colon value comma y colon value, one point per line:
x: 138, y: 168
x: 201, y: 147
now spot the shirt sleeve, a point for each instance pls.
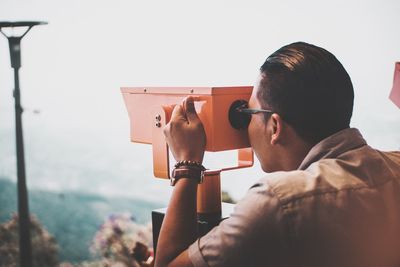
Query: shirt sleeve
x: 252, y: 236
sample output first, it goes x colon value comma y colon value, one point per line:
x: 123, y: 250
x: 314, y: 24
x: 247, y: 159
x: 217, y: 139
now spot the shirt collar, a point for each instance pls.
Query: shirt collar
x: 333, y: 146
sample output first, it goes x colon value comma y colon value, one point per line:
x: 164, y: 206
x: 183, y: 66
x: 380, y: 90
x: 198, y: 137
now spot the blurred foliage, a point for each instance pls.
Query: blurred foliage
x: 120, y: 240
x: 44, y: 247
x: 73, y: 218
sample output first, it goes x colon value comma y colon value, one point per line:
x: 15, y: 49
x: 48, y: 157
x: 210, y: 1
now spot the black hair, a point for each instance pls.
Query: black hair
x: 309, y: 88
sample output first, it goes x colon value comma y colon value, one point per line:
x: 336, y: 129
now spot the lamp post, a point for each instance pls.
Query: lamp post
x: 23, y: 208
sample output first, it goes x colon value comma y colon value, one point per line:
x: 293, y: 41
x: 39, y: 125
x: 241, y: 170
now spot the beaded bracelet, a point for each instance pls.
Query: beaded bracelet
x: 190, y: 163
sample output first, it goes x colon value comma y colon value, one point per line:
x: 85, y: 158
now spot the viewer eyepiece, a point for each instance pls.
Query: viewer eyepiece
x: 239, y: 120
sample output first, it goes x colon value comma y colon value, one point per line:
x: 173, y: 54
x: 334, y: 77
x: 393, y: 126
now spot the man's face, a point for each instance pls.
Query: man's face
x: 260, y: 132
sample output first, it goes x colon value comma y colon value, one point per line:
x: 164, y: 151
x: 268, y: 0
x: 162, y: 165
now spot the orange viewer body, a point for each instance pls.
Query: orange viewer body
x: 150, y: 109
x: 212, y: 104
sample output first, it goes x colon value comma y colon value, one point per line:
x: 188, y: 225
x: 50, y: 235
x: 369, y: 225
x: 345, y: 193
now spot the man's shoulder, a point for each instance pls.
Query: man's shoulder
x: 391, y: 156
x: 288, y: 186
x: 365, y: 169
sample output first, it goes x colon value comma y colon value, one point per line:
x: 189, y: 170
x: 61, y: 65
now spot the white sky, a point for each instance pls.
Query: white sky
x: 73, y: 67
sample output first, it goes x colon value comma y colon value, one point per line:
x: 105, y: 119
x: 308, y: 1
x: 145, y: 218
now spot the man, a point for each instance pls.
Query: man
x: 328, y: 198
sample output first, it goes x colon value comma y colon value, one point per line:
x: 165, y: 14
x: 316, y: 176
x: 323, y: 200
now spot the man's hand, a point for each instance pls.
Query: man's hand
x: 185, y: 133
x: 187, y: 140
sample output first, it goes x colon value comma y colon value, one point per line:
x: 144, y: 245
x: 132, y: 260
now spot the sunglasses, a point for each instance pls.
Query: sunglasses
x: 244, y: 109
x: 240, y: 114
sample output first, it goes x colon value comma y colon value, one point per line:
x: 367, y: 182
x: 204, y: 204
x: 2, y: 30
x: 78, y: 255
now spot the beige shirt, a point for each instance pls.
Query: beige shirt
x: 340, y: 208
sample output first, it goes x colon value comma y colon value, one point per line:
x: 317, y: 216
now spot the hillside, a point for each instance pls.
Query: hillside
x: 72, y: 217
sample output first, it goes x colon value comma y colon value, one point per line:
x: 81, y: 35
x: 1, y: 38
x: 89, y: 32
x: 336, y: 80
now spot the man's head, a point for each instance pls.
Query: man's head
x: 311, y: 96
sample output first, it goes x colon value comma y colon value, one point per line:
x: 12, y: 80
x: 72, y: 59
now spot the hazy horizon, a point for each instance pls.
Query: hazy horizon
x: 73, y: 67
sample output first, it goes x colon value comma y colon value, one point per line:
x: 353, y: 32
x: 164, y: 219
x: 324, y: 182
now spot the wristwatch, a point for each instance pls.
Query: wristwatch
x: 187, y: 172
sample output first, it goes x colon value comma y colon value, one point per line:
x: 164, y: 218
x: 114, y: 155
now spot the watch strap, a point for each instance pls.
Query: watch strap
x: 189, y: 172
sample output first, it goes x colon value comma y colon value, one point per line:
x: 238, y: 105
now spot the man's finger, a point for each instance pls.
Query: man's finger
x: 191, y: 113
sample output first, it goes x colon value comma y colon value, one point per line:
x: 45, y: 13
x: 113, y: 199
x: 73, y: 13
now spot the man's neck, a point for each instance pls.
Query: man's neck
x: 294, y: 155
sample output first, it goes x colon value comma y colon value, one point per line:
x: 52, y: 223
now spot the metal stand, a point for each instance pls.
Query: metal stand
x: 209, y: 208
x: 157, y: 217
x: 23, y: 208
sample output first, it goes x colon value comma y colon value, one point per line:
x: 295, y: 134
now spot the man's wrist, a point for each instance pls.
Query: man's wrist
x: 188, y: 169
x: 194, y: 173
x: 186, y: 181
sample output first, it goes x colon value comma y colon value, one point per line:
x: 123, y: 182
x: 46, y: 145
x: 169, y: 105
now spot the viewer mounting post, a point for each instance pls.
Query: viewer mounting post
x: 14, y: 42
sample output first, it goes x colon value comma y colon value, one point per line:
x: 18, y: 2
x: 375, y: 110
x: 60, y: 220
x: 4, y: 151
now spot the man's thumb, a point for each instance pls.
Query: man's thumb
x: 177, y: 113
x: 191, y: 113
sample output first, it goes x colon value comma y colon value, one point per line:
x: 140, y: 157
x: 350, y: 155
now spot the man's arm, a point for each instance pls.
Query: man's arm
x: 186, y: 138
x: 179, y: 228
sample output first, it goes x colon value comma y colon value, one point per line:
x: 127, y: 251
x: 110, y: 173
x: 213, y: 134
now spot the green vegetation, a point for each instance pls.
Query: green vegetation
x: 72, y: 218
x: 44, y: 246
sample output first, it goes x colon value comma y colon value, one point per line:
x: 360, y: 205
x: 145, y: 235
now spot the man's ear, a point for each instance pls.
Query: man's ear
x: 277, y: 129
